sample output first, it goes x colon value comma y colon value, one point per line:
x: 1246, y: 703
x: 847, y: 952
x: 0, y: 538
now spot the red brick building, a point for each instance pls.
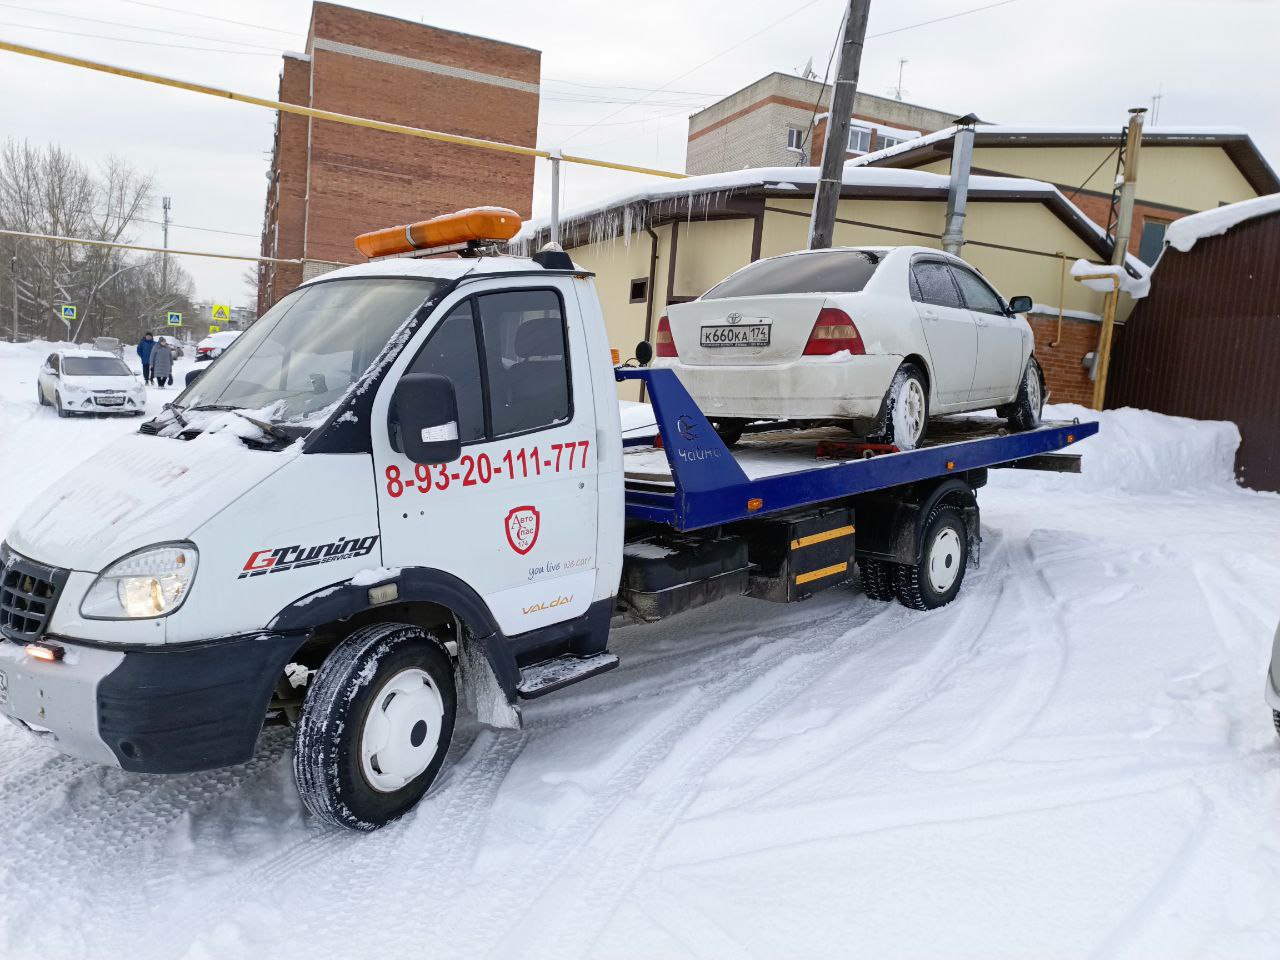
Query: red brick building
x: 330, y: 182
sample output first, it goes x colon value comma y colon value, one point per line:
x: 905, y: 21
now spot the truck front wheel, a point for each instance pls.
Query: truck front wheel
x: 375, y: 727
x: 944, y: 553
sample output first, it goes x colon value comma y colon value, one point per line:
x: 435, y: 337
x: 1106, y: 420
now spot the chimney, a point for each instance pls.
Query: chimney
x: 958, y: 191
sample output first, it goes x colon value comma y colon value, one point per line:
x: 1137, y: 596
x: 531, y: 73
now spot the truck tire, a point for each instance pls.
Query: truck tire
x: 935, y: 580
x: 375, y: 726
x: 1275, y: 720
x: 1026, y: 410
x: 877, y: 578
x: 906, y: 410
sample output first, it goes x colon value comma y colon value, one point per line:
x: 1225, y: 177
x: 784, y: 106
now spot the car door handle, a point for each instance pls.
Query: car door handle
x: 980, y: 320
x: 928, y: 315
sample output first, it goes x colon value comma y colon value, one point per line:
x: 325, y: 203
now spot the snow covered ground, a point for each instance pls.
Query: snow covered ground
x: 1074, y: 759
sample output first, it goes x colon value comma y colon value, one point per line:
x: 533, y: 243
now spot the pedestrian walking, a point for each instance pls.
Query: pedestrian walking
x: 162, y: 363
x: 145, y: 346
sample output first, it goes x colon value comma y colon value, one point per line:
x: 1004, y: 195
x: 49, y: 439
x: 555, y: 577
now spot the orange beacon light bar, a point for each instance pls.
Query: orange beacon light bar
x: 480, y: 223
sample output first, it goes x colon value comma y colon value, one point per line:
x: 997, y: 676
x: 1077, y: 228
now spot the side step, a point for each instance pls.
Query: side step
x: 551, y: 675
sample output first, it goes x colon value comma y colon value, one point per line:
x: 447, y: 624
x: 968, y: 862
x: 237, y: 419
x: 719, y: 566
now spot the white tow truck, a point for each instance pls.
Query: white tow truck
x: 406, y: 485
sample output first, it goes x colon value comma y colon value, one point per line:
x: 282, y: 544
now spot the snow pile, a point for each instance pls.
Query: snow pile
x: 1136, y: 287
x: 1140, y: 452
x: 1183, y: 234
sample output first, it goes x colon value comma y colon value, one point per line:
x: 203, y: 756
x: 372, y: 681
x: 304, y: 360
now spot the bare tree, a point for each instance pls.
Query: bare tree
x: 48, y: 191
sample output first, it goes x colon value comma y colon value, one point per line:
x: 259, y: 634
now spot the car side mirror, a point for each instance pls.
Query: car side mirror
x: 193, y: 376
x: 644, y: 353
x: 1020, y: 305
x: 424, y: 419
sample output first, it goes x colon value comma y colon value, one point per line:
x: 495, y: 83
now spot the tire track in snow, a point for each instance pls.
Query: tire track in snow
x: 622, y: 846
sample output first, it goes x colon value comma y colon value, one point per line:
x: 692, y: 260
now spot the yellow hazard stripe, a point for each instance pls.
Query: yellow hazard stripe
x: 822, y: 537
x: 819, y: 574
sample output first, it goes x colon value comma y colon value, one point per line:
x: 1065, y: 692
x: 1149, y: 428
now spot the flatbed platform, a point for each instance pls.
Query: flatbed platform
x: 694, y: 481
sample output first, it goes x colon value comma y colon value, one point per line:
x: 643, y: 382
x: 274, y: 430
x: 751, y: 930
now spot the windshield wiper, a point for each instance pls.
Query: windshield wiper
x: 177, y: 414
x: 270, y: 429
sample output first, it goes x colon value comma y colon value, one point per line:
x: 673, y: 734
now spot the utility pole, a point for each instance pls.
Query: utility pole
x: 826, y: 197
x: 13, y: 276
x: 164, y: 257
x: 1124, y: 216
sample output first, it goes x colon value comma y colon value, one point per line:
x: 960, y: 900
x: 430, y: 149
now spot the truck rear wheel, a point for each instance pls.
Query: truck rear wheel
x: 877, y: 578
x: 935, y: 580
x: 375, y: 727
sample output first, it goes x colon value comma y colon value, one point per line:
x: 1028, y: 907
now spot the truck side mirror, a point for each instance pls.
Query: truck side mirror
x: 644, y: 353
x: 1020, y: 305
x: 193, y: 376
x: 424, y: 419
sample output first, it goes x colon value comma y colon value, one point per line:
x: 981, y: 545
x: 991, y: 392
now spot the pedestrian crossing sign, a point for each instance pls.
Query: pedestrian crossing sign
x: 214, y: 328
x: 221, y: 312
x: 68, y: 311
x: 173, y: 318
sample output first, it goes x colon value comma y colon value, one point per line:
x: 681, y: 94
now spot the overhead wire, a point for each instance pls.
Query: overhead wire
x: 134, y: 26
x: 145, y: 43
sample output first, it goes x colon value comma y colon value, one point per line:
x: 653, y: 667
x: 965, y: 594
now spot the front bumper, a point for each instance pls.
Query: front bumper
x: 152, y: 710
x: 1273, y: 674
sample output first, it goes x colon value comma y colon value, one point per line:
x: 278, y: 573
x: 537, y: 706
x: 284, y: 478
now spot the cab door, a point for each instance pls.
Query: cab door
x: 515, y: 516
x: 949, y: 331
x: 1000, y: 344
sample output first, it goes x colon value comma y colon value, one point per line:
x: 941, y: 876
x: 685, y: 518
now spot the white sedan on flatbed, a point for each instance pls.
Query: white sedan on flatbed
x: 877, y: 339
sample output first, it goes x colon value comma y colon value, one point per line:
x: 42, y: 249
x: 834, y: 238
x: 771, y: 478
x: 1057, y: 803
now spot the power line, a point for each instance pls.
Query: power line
x: 145, y: 43
x: 623, y: 86
x: 207, y: 16
x: 133, y: 246
x: 803, y: 6
x: 813, y: 117
x: 950, y: 16
x: 134, y: 26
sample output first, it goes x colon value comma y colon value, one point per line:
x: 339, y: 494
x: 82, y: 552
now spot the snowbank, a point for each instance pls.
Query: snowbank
x: 1183, y: 234
x: 1140, y: 452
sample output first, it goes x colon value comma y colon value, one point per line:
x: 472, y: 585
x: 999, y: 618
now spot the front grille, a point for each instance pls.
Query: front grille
x: 28, y: 593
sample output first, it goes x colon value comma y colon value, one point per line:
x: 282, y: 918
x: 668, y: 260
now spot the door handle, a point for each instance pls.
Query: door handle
x: 928, y: 315
x: 980, y: 321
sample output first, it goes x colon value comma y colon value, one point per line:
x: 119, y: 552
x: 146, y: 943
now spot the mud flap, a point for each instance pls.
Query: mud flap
x: 481, y: 691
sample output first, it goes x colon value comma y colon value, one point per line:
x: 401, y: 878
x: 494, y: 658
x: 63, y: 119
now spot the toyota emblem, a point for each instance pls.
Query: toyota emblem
x: 734, y: 318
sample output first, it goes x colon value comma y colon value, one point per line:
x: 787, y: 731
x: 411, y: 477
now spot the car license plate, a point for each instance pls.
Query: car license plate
x: 110, y: 401
x: 741, y: 335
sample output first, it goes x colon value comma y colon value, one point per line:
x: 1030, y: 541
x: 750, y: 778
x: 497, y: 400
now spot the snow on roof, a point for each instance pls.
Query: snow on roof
x: 1183, y: 234
x: 1031, y: 132
x: 780, y: 178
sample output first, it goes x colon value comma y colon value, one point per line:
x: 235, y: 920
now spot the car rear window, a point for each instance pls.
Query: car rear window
x: 831, y: 271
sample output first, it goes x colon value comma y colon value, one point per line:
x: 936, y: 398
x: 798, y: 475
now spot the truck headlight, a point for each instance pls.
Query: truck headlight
x: 153, y: 582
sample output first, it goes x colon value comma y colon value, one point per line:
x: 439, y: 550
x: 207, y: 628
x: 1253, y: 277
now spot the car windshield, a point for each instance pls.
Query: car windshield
x: 305, y: 352
x: 831, y: 271
x: 94, y: 367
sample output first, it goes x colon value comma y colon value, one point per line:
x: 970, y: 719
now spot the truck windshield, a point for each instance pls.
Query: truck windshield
x: 304, y: 352
x: 94, y: 367
x: 829, y: 271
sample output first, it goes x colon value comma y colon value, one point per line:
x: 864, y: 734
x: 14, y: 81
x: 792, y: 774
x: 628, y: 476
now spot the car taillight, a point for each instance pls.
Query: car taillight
x: 834, y: 331
x: 663, y: 345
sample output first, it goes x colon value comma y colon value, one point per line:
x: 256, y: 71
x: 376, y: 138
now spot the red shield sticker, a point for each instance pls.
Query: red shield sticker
x: 522, y: 528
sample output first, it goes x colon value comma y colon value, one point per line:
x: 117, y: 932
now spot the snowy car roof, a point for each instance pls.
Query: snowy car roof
x: 87, y: 353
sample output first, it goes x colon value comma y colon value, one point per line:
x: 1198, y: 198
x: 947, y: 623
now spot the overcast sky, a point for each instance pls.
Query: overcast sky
x: 1023, y: 61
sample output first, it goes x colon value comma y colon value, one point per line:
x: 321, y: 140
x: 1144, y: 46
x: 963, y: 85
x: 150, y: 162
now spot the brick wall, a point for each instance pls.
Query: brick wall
x: 349, y: 179
x: 1066, y: 379
x: 1098, y: 209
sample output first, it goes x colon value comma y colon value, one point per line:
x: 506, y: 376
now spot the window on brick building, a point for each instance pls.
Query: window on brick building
x: 639, y: 290
x: 859, y: 139
x: 1152, y: 241
x: 884, y: 143
x: 795, y: 138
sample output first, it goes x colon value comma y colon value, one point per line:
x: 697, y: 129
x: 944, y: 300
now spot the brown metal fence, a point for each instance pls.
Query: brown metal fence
x: 1206, y: 342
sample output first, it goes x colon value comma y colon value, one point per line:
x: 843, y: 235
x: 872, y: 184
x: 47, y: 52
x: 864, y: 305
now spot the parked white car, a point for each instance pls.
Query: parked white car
x: 215, y: 343
x: 877, y: 339
x: 90, y: 381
